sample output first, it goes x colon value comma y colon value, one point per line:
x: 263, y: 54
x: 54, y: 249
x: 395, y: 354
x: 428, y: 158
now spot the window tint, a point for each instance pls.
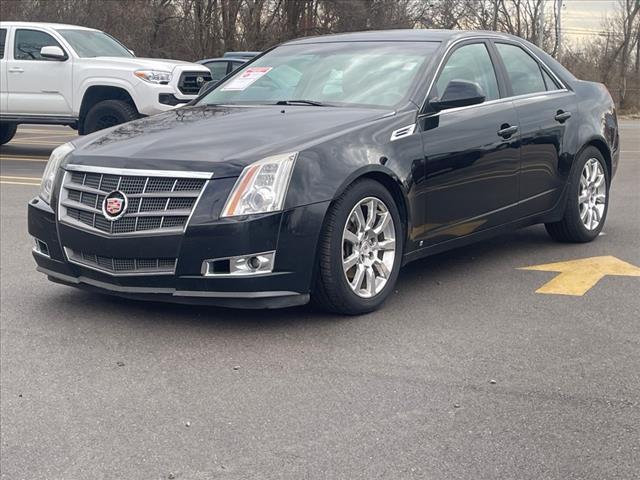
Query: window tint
x: 549, y: 82
x: 471, y: 63
x: 218, y: 70
x: 523, y: 71
x: 3, y: 38
x: 29, y: 42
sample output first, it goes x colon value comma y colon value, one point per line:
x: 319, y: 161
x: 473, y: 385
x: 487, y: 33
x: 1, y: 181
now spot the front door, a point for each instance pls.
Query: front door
x: 37, y: 85
x: 472, y: 154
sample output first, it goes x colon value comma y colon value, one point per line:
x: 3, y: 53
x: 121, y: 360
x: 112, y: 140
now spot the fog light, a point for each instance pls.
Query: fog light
x: 254, y: 263
x: 242, y: 265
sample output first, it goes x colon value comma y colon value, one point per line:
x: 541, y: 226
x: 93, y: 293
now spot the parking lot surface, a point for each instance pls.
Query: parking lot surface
x: 466, y: 373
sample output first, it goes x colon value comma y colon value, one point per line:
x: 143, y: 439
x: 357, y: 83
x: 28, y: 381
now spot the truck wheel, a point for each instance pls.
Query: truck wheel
x: 7, y: 131
x: 108, y: 113
x: 360, y: 250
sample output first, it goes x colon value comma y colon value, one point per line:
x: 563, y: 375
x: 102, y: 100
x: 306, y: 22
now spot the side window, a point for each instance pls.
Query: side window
x: 549, y: 82
x: 27, y: 44
x: 524, y: 72
x: 473, y: 64
x: 3, y: 39
x: 236, y: 65
x: 218, y: 70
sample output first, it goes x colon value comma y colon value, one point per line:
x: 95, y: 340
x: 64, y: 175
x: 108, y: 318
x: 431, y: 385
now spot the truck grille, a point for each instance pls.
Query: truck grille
x: 123, y: 266
x: 155, y: 204
x: 189, y: 84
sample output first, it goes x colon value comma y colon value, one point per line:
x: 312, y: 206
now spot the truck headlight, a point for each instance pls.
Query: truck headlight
x: 154, y: 76
x: 262, y: 186
x: 50, y: 171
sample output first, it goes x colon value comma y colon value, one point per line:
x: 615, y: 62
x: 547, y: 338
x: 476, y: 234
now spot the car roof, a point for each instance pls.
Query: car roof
x: 55, y: 26
x: 224, y: 59
x: 404, y: 35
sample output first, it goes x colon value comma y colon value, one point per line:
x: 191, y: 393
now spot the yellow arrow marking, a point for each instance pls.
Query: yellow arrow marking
x: 577, y: 277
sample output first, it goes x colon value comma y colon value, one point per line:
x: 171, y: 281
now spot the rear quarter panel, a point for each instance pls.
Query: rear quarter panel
x: 598, y: 120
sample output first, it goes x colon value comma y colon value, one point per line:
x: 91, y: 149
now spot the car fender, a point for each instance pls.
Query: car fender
x: 89, y: 82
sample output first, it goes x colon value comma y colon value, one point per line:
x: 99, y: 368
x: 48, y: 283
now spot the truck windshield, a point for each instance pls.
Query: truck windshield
x: 90, y: 43
x: 342, y: 73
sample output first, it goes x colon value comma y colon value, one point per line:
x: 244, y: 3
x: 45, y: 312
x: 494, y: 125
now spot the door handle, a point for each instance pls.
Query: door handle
x: 16, y: 70
x: 562, y: 116
x: 507, y: 130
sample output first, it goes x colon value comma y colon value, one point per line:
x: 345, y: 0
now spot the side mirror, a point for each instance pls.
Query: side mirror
x: 53, y: 52
x: 459, y: 93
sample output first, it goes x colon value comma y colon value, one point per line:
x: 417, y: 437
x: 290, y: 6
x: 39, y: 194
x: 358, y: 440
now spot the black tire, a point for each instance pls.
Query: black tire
x: 331, y: 290
x: 108, y: 113
x: 571, y: 228
x: 7, y: 132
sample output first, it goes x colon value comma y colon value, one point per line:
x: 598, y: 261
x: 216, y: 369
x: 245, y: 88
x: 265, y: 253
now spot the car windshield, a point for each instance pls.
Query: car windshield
x: 341, y: 73
x: 91, y: 43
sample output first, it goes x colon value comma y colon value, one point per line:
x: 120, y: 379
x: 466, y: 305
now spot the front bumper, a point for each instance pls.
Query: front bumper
x: 293, y: 234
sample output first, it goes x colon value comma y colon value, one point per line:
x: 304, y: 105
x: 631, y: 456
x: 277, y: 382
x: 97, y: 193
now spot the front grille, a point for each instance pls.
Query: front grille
x: 123, y: 266
x: 155, y: 204
x: 188, y: 83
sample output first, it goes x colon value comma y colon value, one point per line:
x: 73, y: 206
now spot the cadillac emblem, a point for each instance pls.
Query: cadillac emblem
x: 114, y: 205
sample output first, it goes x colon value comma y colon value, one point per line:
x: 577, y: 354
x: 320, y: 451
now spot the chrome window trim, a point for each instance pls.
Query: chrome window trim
x: 140, y: 172
x: 495, y: 38
x: 115, y: 274
x: 494, y: 102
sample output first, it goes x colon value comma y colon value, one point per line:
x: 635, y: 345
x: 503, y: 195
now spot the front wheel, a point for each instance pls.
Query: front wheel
x: 7, y: 132
x: 108, y: 113
x: 587, y: 200
x: 360, y: 250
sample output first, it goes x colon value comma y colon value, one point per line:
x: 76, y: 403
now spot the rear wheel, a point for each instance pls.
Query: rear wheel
x: 108, y: 113
x: 360, y: 250
x: 7, y: 132
x: 587, y: 201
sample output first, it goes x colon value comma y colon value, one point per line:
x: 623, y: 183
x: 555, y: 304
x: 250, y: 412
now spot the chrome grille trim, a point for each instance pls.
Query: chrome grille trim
x: 139, y: 172
x: 160, y: 202
x: 122, y: 266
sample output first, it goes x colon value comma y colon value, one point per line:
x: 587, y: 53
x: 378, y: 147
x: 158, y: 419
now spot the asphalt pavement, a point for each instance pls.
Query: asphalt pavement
x: 466, y: 373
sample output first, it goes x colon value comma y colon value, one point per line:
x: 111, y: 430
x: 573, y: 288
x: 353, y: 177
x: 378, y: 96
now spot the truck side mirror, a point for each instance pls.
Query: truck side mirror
x: 53, y: 52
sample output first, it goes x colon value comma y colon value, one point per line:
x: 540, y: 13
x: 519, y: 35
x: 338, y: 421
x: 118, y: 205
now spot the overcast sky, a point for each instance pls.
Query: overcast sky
x: 582, y: 18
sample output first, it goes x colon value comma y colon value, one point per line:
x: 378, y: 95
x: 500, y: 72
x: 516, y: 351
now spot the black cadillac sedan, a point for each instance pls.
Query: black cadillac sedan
x: 322, y: 166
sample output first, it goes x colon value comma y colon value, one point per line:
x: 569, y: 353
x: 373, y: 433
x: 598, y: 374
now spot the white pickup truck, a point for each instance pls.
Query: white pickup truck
x: 84, y: 78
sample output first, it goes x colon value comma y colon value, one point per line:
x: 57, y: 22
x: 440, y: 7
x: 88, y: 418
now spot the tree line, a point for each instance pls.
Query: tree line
x: 195, y: 29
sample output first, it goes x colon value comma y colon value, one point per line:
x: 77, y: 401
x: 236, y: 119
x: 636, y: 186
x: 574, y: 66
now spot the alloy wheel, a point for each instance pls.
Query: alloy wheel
x: 368, y: 247
x: 592, y: 198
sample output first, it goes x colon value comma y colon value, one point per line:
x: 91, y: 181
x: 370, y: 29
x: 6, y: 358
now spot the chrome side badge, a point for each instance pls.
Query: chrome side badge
x: 403, y: 132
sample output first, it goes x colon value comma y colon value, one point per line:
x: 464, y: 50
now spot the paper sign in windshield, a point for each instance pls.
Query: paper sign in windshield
x: 248, y: 77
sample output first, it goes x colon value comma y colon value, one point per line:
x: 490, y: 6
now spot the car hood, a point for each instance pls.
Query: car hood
x: 219, y: 139
x: 138, y: 63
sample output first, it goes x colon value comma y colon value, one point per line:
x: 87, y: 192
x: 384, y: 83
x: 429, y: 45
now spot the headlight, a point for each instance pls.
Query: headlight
x: 49, y: 175
x: 153, y: 76
x: 262, y: 186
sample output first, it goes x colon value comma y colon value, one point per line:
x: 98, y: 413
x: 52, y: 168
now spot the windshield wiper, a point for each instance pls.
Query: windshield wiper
x: 301, y: 102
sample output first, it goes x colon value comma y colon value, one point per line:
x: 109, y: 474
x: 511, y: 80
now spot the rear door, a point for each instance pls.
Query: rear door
x: 546, y: 112
x: 472, y: 155
x: 36, y: 85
